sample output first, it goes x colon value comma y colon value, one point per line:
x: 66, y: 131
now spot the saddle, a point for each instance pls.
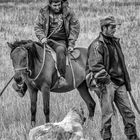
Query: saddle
x: 75, y: 54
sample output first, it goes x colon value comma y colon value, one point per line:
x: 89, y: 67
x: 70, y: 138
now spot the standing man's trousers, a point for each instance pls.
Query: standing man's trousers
x: 112, y: 93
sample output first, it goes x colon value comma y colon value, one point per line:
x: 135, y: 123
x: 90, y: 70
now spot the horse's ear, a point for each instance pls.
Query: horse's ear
x: 10, y: 45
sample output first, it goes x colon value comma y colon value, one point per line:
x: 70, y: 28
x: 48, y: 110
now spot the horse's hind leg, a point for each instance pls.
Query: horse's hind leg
x: 84, y: 92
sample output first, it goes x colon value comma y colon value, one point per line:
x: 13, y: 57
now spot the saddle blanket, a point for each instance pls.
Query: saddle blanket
x: 73, y: 55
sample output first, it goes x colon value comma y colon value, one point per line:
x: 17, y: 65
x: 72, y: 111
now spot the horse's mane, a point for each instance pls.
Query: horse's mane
x: 19, y: 43
x: 32, y: 51
x: 24, y: 42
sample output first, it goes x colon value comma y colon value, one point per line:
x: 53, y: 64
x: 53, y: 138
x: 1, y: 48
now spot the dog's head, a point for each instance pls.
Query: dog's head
x: 78, y: 115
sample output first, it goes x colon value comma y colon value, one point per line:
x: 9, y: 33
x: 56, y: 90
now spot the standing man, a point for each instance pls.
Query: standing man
x: 107, y: 71
x: 58, y: 22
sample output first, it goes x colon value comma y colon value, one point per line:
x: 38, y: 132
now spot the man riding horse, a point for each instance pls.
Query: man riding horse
x: 58, y: 27
x: 34, y: 64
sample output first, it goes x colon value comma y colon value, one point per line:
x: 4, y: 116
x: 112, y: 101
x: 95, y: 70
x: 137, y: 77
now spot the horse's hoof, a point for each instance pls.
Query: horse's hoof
x: 33, y: 124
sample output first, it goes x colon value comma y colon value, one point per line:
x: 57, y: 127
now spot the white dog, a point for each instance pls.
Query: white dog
x: 70, y: 128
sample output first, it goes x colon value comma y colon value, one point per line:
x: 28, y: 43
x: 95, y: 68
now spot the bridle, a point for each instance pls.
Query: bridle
x: 44, y: 54
x: 27, y: 64
x: 27, y: 69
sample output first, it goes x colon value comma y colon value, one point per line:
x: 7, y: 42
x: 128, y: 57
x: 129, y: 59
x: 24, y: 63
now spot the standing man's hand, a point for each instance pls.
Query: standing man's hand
x: 70, y: 49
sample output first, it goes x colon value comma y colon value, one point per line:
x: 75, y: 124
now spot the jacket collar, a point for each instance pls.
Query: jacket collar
x: 101, y: 38
x: 66, y: 10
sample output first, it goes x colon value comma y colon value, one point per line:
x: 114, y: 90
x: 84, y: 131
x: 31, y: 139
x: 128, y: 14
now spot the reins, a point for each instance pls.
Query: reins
x: 73, y: 75
x: 55, y: 30
x: 44, y: 54
x: 6, y: 85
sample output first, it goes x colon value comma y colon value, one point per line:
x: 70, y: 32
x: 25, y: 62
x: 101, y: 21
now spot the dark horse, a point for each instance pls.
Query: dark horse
x: 36, y: 67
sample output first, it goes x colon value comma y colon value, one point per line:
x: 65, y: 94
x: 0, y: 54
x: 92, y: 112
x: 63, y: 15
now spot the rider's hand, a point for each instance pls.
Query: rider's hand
x: 70, y: 49
x: 44, y: 41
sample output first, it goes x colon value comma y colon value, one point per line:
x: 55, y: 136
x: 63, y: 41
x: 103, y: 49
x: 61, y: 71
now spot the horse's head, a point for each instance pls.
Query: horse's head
x: 20, y: 59
x: 80, y: 113
x: 19, y: 56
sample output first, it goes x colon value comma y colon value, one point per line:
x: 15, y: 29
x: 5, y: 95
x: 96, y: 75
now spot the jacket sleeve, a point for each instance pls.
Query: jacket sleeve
x: 74, y: 28
x: 39, y: 27
x: 96, y: 64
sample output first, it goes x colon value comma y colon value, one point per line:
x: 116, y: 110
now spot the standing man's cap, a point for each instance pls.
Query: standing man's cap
x: 108, y: 21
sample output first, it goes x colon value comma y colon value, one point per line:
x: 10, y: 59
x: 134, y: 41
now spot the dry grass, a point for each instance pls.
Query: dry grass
x: 17, y: 22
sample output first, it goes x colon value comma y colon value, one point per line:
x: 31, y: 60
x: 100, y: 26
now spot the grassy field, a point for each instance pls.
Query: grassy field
x: 17, y: 22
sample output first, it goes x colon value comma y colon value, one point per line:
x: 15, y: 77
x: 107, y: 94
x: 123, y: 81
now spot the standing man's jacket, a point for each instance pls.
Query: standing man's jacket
x: 98, y: 60
x: 71, y: 24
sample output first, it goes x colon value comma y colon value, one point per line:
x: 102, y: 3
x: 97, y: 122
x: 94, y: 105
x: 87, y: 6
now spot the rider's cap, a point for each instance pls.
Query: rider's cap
x: 50, y: 1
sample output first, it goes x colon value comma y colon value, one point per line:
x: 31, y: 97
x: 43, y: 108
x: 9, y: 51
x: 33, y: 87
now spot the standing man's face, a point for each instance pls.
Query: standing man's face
x: 109, y: 30
x: 56, y: 7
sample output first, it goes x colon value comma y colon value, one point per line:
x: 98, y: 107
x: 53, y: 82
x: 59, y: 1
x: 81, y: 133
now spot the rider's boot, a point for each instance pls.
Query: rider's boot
x: 62, y: 82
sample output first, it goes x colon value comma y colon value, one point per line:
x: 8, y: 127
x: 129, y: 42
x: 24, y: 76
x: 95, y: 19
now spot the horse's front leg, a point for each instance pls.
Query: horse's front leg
x: 33, y: 98
x: 46, y: 101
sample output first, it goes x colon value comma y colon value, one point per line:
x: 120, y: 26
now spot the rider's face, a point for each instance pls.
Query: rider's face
x: 56, y: 7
